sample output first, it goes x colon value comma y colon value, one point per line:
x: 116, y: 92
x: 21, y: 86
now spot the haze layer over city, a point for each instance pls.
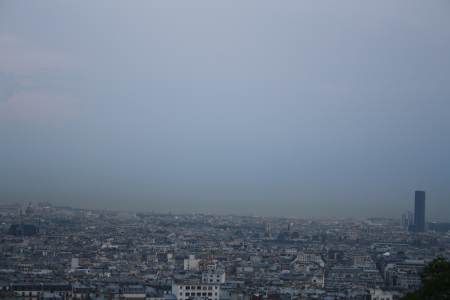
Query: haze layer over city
x: 302, y: 108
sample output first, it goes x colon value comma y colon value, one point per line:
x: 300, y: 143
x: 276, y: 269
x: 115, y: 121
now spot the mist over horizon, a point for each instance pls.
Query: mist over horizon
x: 306, y: 109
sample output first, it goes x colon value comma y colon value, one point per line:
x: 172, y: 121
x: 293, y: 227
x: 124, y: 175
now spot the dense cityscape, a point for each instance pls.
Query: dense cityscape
x: 52, y: 252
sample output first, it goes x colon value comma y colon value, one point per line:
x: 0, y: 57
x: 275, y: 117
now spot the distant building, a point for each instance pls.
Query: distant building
x: 408, y: 220
x: 135, y: 292
x: 268, y: 231
x: 41, y: 290
x: 23, y: 229
x: 378, y: 294
x: 419, y: 211
x: 11, y: 209
x: 191, y: 263
x: 404, y: 275
x: 185, y: 291
x: 75, y: 263
x: 214, y: 276
x: 362, y: 260
x: 307, y: 258
x: 439, y: 226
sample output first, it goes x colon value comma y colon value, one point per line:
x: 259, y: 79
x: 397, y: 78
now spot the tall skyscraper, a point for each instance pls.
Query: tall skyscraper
x: 419, y: 211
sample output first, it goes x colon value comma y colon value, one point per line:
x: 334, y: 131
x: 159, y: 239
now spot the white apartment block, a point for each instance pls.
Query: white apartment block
x: 186, y: 291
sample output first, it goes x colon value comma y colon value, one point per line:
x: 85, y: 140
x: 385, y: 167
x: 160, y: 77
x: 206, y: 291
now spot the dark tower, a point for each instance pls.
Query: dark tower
x: 419, y: 211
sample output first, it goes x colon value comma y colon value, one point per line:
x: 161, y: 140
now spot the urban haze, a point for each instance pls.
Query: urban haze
x: 244, y: 107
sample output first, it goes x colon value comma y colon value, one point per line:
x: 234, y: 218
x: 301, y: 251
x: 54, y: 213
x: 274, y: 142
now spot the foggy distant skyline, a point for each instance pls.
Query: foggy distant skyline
x: 302, y: 109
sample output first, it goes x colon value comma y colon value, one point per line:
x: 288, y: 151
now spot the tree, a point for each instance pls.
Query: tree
x: 435, y: 282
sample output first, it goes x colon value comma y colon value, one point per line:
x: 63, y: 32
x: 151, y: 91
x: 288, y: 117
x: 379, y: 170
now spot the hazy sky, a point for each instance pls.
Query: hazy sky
x: 294, y: 108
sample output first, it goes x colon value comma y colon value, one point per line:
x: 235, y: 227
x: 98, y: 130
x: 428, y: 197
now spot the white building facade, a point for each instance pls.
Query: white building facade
x: 191, y: 263
x: 187, y: 291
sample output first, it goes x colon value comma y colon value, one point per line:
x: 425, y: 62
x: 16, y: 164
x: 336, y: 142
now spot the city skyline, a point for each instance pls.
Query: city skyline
x: 417, y: 213
x: 67, y: 253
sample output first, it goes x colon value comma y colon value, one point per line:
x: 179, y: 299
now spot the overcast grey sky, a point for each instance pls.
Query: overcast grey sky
x: 294, y: 108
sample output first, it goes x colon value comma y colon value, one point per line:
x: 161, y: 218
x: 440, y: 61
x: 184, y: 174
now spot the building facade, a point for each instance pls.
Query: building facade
x: 419, y: 211
x: 185, y: 291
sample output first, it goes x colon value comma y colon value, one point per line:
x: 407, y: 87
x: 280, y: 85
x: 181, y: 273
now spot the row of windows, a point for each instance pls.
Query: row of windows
x: 193, y: 287
x: 187, y: 294
x: 29, y: 294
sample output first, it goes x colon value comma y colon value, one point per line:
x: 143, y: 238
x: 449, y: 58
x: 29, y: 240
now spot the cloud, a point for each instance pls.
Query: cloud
x: 21, y: 57
x: 28, y: 75
x: 38, y: 106
x: 9, y: 85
